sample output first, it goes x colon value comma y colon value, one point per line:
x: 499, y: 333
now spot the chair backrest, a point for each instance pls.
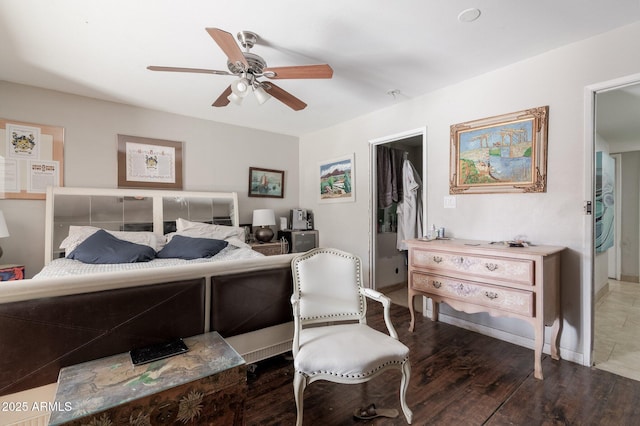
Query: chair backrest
x: 327, y: 284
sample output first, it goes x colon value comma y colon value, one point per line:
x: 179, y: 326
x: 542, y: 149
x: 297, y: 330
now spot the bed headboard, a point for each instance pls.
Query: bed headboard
x: 131, y: 210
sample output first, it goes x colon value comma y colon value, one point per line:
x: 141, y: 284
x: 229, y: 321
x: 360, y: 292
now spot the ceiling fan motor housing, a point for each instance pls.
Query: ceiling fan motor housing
x: 256, y: 64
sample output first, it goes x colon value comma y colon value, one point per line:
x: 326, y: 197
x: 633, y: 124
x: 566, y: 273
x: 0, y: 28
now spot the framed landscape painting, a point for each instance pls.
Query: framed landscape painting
x: 506, y: 153
x: 266, y: 183
x: 336, y: 179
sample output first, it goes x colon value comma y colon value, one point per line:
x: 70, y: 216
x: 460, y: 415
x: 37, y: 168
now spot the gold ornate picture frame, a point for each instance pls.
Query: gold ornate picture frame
x: 505, y: 153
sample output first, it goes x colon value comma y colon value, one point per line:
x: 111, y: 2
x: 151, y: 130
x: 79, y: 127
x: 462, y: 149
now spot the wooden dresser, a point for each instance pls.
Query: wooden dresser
x: 477, y: 276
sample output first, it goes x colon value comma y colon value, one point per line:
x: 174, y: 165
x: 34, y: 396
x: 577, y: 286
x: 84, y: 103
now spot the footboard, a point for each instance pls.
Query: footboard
x: 40, y: 336
x: 51, y: 323
x: 245, y: 302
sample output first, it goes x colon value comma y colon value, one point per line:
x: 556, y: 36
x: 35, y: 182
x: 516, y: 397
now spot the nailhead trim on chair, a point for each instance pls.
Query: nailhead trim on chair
x: 325, y: 316
x: 355, y: 376
x: 341, y: 254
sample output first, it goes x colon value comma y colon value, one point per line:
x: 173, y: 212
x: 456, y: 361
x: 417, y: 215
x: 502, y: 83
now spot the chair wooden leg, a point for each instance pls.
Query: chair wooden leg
x: 299, y: 383
x: 404, y: 385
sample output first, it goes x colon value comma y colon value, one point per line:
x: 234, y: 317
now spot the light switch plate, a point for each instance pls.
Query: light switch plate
x: 450, y: 202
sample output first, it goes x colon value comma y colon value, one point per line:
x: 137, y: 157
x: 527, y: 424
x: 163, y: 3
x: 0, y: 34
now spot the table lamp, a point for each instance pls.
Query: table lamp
x: 4, y: 232
x: 263, y: 219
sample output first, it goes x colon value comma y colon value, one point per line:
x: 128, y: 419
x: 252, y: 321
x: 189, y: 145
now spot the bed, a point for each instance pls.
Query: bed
x: 74, y: 311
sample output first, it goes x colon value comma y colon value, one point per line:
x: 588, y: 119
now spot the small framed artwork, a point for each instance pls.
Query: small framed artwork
x: 506, y: 153
x: 266, y: 183
x: 336, y: 180
x: 149, y: 163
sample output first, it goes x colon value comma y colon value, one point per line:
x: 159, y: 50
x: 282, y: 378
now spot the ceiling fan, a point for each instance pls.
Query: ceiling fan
x: 249, y: 67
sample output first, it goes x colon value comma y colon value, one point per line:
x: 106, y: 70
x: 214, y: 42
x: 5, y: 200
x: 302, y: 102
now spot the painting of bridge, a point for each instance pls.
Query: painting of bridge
x: 500, y: 152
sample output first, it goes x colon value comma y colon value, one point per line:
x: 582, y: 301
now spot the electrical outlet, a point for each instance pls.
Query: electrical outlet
x: 450, y: 202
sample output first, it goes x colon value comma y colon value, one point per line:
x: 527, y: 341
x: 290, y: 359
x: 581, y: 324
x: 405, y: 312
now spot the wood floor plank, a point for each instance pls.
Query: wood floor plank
x: 457, y: 377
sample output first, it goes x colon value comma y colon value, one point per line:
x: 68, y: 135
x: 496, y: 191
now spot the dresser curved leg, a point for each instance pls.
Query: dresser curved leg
x: 555, y: 332
x: 411, y: 310
x: 538, y: 346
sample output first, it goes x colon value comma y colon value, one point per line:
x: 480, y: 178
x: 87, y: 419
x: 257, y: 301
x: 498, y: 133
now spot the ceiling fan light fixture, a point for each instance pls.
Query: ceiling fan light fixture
x: 240, y: 87
x: 261, y: 95
x: 235, y: 99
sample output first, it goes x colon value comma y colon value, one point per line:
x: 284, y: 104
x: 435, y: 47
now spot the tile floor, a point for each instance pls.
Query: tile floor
x: 617, y: 330
x: 617, y: 327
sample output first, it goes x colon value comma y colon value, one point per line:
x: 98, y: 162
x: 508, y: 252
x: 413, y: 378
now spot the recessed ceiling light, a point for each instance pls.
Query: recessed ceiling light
x: 469, y: 15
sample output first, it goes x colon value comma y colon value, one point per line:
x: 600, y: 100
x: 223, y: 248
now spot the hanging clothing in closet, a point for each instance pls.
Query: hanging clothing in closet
x: 410, y: 207
x: 390, y: 187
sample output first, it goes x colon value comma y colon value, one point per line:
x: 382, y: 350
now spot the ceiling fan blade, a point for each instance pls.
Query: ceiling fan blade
x: 222, y: 99
x: 196, y: 70
x: 228, y: 45
x: 285, y: 97
x: 301, y: 71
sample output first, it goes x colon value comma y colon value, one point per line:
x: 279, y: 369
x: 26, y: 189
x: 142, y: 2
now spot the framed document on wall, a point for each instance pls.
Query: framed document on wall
x: 31, y: 159
x: 149, y: 163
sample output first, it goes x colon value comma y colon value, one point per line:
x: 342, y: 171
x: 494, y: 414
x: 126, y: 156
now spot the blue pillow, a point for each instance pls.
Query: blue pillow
x: 188, y: 248
x: 102, y: 247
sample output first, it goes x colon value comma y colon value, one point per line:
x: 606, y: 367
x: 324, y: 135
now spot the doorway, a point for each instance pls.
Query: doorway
x: 388, y: 265
x: 615, y: 304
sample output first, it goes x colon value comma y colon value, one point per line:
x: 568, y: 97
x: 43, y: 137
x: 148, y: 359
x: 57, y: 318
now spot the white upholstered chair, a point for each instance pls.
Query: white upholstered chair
x: 331, y: 338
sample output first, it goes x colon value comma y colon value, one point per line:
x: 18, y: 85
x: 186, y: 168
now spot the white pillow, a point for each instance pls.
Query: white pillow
x: 206, y: 230
x: 77, y: 234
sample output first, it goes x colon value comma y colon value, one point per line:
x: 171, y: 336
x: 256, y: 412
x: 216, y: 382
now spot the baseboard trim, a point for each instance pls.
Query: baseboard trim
x: 630, y: 278
x: 526, y: 342
x: 602, y: 292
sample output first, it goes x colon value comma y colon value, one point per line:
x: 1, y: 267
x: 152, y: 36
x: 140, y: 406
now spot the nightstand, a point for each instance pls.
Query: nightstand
x: 271, y: 248
x: 11, y: 272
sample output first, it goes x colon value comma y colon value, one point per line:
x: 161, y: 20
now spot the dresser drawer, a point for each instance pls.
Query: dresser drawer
x: 496, y: 297
x: 511, y: 270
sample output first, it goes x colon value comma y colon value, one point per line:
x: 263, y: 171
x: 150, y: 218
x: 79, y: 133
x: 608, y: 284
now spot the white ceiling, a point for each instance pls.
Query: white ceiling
x: 101, y: 48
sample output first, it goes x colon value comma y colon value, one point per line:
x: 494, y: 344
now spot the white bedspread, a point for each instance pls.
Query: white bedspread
x: 66, y: 267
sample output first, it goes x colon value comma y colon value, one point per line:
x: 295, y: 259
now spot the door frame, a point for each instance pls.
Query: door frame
x: 617, y: 247
x: 373, y: 184
x: 588, y: 296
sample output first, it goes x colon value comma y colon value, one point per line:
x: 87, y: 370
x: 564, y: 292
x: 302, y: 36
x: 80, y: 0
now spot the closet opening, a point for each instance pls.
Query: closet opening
x: 391, y: 220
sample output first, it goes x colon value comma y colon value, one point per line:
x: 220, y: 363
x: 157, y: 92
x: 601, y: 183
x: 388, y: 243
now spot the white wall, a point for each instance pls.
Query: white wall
x: 558, y: 79
x: 217, y: 157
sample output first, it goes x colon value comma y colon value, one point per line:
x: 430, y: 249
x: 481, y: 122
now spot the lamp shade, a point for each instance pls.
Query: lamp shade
x: 4, y: 231
x: 264, y: 217
x: 261, y: 95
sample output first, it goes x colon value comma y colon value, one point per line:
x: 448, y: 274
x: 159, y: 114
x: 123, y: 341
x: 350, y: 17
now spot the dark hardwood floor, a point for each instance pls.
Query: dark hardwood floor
x: 458, y: 377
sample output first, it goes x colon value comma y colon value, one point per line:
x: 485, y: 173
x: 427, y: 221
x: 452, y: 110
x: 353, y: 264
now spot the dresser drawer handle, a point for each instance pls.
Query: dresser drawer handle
x: 437, y: 259
x: 491, y: 294
x: 491, y: 266
x: 437, y: 284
